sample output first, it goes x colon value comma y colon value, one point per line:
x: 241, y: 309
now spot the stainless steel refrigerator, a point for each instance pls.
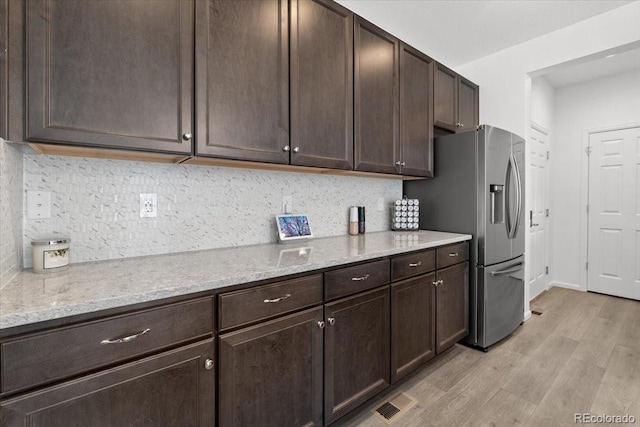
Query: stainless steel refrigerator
x: 478, y: 188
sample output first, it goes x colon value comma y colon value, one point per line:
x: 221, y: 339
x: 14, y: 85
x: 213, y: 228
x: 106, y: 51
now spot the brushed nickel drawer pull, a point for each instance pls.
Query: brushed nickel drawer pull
x: 282, y: 298
x: 453, y: 254
x: 124, y: 339
x: 361, y: 278
x: 415, y: 264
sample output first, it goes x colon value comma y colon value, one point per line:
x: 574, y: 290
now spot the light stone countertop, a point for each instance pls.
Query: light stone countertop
x: 89, y: 287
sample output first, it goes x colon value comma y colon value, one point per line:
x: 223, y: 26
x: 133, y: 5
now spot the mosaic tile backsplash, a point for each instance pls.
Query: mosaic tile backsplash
x: 96, y: 203
x: 11, y: 241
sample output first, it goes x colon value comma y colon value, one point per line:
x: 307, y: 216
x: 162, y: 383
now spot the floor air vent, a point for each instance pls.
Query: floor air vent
x: 536, y: 312
x: 394, y: 407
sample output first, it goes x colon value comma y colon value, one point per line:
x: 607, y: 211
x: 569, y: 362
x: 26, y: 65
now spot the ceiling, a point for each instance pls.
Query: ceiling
x: 456, y: 32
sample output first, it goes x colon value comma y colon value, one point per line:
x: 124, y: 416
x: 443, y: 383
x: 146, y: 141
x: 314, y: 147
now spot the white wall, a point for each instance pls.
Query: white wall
x: 542, y: 103
x: 503, y: 77
x: 592, y: 105
x: 11, y: 180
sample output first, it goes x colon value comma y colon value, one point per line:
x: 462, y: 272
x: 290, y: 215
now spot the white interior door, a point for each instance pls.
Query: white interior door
x: 536, y: 217
x: 614, y: 213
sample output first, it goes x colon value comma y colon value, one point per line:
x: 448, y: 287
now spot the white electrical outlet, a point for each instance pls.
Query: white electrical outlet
x: 380, y: 204
x: 287, y: 204
x: 148, y: 205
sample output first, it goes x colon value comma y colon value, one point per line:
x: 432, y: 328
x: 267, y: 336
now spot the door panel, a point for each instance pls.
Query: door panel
x: 110, y: 73
x: 376, y: 99
x: 321, y: 84
x: 503, y: 288
x: 467, y: 105
x: 243, y: 82
x: 614, y: 213
x: 497, y: 143
x: 536, y: 223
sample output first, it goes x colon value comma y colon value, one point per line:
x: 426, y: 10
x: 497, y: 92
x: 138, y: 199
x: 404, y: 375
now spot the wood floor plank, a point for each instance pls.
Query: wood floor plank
x: 573, y: 391
x: 576, y: 324
x: 630, y: 334
x: 597, y: 346
x: 619, y: 391
x: 448, y: 374
x: 505, y: 409
x: 532, y: 381
x: 581, y: 355
x: 461, y: 405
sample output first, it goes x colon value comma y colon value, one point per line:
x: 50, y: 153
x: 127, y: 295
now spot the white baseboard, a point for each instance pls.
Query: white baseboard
x: 567, y: 286
x: 527, y: 315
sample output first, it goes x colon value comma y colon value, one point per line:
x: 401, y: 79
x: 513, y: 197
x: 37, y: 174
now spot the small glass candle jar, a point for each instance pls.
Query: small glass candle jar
x: 50, y: 254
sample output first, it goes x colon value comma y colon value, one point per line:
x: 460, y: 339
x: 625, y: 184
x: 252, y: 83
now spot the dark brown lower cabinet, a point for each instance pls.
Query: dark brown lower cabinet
x: 412, y: 324
x: 356, y: 351
x: 174, y: 388
x: 452, y: 305
x: 271, y: 373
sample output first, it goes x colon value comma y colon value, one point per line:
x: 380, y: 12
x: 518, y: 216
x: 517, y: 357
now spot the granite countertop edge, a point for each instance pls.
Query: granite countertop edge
x: 20, y: 308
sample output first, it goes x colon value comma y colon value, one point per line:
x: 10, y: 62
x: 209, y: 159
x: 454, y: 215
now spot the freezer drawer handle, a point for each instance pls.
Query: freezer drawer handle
x: 512, y: 269
x: 273, y: 300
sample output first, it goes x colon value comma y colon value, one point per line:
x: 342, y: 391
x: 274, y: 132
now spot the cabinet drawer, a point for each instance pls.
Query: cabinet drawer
x: 240, y: 307
x: 46, y: 357
x: 412, y: 264
x: 349, y: 280
x: 452, y: 254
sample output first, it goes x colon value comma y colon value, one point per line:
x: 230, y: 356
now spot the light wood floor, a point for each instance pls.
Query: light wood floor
x: 582, y: 355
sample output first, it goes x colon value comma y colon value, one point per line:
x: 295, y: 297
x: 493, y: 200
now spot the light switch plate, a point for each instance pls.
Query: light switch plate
x: 38, y: 204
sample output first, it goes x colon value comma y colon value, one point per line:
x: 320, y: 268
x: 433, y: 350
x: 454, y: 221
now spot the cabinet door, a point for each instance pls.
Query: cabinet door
x: 170, y: 389
x: 356, y: 351
x: 242, y: 79
x: 467, y: 105
x: 416, y: 112
x: 271, y: 373
x: 113, y: 73
x: 445, y: 89
x: 376, y: 99
x: 452, y: 305
x: 321, y: 84
x: 412, y: 324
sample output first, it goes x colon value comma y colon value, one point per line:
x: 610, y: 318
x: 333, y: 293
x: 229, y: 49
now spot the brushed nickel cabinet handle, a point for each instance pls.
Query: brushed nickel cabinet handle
x: 452, y: 254
x: 361, y: 278
x: 296, y: 149
x: 273, y: 300
x: 124, y: 339
x: 187, y: 136
x: 208, y: 364
x: 321, y: 324
x: 331, y: 320
x: 435, y: 283
x: 415, y: 264
x: 286, y: 148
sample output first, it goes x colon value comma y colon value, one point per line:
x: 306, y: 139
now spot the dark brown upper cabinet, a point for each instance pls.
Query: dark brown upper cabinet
x: 242, y: 80
x: 376, y: 72
x: 456, y: 101
x: 416, y: 112
x: 110, y: 73
x: 321, y: 84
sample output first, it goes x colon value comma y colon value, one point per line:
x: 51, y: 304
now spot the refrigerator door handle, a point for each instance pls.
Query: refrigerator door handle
x: 518, y: 196
x: 511, y: 269
x: 509, y: 222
